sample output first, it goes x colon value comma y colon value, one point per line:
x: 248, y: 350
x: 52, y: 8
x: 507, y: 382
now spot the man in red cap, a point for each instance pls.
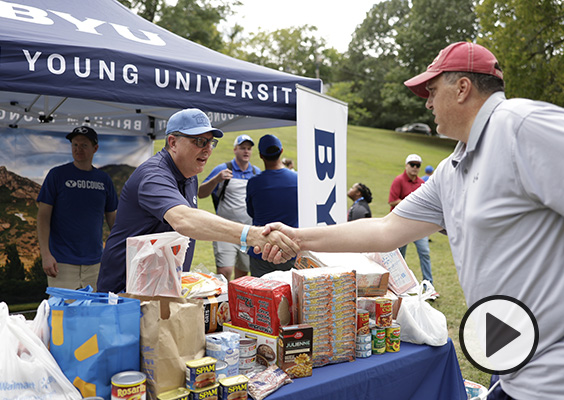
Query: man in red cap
x: 498, y: 198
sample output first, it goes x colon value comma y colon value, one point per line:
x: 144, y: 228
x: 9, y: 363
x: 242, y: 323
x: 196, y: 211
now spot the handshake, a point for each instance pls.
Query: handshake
x: 277, y: 242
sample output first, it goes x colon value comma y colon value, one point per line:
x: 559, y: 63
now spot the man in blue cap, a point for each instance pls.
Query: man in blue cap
x: 272, y: 196
x: 227, y: 183
x: 161, y: 196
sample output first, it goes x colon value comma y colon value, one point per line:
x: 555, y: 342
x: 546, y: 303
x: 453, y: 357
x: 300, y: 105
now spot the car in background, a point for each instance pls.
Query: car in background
x: 416, y: 127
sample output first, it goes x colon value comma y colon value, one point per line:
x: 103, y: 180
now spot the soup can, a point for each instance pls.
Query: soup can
x: 383, y: 312
x: 129, y: 385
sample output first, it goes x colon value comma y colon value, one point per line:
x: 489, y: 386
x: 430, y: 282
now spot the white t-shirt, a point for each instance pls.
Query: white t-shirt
x: 501, y: 200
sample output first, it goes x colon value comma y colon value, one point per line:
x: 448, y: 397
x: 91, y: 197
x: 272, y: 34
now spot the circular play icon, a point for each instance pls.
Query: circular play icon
x: 499, y: 334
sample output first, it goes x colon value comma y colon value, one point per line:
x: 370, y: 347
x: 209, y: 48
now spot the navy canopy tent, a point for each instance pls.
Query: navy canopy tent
x: 83, y: 59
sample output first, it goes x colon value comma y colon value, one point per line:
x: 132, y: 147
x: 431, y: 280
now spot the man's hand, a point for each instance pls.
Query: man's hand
x: 224, y: 175
x: 272, y: 251
x: 50, y: 266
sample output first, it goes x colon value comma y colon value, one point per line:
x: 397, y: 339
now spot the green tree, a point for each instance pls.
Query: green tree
x: 36, y: 273
x: 296, y: 50
x: 527, y: 38
x: 397, y: 40
x: 195, y: 20
x: 14, y: 268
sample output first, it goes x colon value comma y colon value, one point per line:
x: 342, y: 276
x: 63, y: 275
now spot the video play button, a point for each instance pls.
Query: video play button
x: 499, y: 334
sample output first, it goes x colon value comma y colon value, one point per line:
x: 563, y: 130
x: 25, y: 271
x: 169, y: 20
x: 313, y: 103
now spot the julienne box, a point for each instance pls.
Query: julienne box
x: 295, y: 349
x: 266, y: 344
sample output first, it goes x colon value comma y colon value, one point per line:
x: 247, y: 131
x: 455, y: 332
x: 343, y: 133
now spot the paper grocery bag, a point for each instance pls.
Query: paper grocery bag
x: 172, y: 333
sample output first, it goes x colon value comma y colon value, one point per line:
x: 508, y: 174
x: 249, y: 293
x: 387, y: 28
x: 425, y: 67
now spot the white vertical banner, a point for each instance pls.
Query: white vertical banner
x: 322, y: 158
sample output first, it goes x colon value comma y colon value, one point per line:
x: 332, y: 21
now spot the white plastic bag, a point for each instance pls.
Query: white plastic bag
x: 420, y: 322
x: 154, y: 264
x: 27, y: 369
x: 40, y: 324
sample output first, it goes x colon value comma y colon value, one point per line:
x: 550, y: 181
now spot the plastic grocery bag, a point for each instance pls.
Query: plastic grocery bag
x: 154, y: 264
x: 93, y: 337
x: 40, y: 324
x: 27, y: 369
x: 420, y: 322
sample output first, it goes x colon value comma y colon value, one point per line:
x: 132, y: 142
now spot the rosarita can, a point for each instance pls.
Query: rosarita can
x: 383, y: 312
x: 393, y: 338
x: 378, y: 340
x: 129, y: 385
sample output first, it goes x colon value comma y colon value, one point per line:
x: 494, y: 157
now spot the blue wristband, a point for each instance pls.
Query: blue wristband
x: 244, y: 238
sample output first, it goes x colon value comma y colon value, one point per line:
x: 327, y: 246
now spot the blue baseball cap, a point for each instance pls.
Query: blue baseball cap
x: 429, y: 169
x: 243, y: 138
x: 86, y: 131
x: 270, y: 145
x: 191, y: 121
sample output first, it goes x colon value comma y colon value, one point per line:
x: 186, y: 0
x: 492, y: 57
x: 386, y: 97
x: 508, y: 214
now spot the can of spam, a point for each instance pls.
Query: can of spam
x: 378, y: 340
x: 200, y: 373
x: 233, y: 388
x: 393, y: 338
x: 207, y: 393
x: 128, y: 385
x: 175, y: 394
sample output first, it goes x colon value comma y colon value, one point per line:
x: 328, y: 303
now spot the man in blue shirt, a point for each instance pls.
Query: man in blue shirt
x: 161, y: 196
x: 228, y: 184
x: 74, y: 200
x: 272, y: 196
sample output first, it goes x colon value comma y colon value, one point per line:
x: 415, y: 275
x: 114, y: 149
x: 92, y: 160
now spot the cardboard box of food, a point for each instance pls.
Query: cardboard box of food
x: 295, y: 349
x: 372, y: 278
x: 266, y: 344
x: 216, y: 312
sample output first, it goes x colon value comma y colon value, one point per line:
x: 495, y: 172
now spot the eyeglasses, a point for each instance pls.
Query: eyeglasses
x: 414, y: 165
x: 200, y: 141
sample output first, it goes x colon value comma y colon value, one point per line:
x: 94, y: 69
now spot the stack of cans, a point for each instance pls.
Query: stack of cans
x: 363, y: 336
x: 386, y: 332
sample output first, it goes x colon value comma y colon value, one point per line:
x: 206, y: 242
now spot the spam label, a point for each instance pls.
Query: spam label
x: 200, y: 373
x: 233, y: 388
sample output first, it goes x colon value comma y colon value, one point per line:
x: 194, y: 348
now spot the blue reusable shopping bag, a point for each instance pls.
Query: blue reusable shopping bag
x: 93, y: 339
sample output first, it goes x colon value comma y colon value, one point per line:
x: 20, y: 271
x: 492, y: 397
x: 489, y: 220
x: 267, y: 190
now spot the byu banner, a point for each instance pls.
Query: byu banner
x: 322, y: 158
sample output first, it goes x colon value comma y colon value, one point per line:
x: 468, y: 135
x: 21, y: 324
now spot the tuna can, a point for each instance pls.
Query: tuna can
x: 363, y: 346
x: 364, y: 338
x: 247, y: 362
x: 362, y: 320
x: 393, y: 338
x: 221, y: 369
x: 247, y: 347
x: 175, y: 394
x: 378, y: 340
x: 363, y: 353
x: 128, y: 385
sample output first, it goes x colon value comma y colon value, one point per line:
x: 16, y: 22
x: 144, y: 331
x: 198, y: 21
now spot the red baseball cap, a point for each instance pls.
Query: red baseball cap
x: 457, y: 57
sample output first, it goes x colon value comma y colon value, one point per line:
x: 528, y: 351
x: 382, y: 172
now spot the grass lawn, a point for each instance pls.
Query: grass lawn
x: 374, y: 157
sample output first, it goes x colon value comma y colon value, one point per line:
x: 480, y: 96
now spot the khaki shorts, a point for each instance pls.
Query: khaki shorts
x: 230, y: 255
x: 74, y: 277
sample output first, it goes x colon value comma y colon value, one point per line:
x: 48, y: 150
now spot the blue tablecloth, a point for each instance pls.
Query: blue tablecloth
x: 416, y: 372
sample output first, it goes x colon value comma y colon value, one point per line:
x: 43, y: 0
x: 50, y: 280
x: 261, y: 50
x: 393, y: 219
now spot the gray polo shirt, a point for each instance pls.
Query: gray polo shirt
x: 501, y: 200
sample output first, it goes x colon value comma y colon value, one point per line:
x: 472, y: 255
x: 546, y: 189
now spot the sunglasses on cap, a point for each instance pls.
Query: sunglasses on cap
x: 415, y: 165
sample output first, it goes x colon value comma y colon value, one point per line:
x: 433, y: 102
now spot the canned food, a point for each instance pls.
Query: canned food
x: 364, y: 346
x: 207, y: 393
x: 129, y: 385
x: 364, y: 338
x: 383, y: 312
x: 362, y: 320
x: 247, y: 347
x: 233, y: 388
x: 200, y: 373
x: 175, y: 394
x: 363, y: 353
x: 378, y: 340
x: 247, y: 362
x: 221, y: 369
x: 393, y: 338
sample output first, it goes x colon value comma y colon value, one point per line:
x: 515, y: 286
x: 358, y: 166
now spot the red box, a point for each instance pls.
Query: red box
x: 260, y: 304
